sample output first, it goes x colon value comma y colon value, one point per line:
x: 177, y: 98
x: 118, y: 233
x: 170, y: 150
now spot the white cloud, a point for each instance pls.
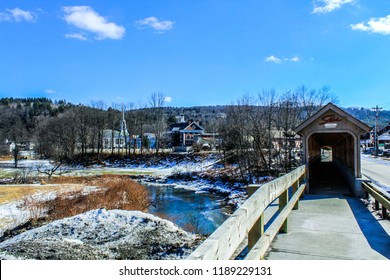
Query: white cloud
x: 275, y: 59
x: 155, y: 23
x: 78, y: 36
x: 86, y: 19
x: 326, y: 6
x: 168, y: 99
x: 17, y: 15
x: 50, y: 91
x: 374, y: 25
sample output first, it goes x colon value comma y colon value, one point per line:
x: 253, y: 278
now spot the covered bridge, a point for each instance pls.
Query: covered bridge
x: 331, y: 148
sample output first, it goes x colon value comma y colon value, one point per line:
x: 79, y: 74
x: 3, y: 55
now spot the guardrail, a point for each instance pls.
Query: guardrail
x: 248, y: 220
x: 379, y: 198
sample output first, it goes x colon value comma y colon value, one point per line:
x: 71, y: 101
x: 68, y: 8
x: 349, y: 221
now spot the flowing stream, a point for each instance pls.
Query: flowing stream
x: 196, y: 212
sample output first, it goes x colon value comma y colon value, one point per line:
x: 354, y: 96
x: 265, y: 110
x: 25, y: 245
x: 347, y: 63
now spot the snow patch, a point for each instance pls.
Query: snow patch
x: 102, y: 234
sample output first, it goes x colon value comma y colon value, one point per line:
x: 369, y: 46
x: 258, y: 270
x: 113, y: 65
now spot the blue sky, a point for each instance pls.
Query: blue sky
x: 203, y: 52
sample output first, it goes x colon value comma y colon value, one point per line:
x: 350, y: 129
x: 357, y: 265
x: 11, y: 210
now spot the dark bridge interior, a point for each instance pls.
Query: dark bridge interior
x: 331, y: 155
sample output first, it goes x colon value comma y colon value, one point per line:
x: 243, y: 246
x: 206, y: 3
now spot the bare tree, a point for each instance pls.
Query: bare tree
x: 311, y: 100
x: 13, y: 129
x: 157, y: 101
x: 237, y: 136
x: 57, y: 136
x: 140, y: 120
x: 287, y: 120
x: 83, y: 125
x: 98, y: 125
x: 58, y: 168
x: 268, y: 104
x: 113, y: 118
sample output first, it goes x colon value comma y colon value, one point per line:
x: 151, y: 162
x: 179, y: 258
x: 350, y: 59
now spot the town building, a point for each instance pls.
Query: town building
x: 117, y: 139
x: 184, y: 135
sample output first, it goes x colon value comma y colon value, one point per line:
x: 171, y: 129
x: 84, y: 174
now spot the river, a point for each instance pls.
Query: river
x: 197, y: 212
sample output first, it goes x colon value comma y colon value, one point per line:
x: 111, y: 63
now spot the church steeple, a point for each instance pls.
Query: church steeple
x: 123, y: 122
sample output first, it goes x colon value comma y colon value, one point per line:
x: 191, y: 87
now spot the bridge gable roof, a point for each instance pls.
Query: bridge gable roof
x: 329, y: 114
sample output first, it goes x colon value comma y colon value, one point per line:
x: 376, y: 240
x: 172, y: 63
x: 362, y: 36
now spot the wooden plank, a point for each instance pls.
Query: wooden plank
x: 295, y: 187
x: 283, y: 200
x: 258, y: 251
x: 256, y: 232
x: 377, y: 195
x: 258, y: 228
x: 225, y: 240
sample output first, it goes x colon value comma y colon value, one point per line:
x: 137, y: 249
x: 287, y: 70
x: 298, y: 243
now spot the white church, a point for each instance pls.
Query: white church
x: 117, y: 139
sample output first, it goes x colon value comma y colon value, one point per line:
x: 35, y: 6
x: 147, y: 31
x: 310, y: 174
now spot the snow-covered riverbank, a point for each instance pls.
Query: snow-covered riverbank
x: 102, y: 234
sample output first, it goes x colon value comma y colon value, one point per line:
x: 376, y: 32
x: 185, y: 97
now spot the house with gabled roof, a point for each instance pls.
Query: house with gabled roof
x: 183, y: 135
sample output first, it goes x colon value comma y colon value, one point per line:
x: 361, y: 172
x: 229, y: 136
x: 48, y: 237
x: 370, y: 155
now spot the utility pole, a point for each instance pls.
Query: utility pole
x: 376, y: 128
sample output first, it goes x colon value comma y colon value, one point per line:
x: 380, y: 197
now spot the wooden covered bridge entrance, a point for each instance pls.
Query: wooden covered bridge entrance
x: 331, y: 147
x: 326, y: 223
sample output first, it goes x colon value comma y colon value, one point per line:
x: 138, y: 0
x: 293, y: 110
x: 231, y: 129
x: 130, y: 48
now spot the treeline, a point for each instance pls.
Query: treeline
x: 59, y: 130
x: 256, y: 131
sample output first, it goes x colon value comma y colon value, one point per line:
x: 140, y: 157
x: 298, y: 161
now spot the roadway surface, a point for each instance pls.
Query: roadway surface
x: 377, y: 170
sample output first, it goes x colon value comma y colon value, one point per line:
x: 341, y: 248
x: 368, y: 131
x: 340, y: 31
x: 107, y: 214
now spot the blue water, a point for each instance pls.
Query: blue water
x: 195, y: 212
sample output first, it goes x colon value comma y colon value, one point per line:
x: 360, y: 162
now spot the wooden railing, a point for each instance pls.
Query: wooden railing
x: 248, y: 220
x: 379, y: 198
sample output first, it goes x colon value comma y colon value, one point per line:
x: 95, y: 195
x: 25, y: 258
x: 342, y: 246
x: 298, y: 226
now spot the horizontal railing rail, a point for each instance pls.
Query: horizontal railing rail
x: 248, y: 219
x: 379, y: 198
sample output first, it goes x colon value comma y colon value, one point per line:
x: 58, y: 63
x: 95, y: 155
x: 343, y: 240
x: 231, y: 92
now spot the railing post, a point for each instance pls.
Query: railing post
x: 376, y: 204
x: 295, y: 187
x: 283, y: 200
x: 257, y: 230
x: 384, y: 212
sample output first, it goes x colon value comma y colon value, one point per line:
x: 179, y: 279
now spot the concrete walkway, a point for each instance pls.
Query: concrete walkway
x: 332, y: 227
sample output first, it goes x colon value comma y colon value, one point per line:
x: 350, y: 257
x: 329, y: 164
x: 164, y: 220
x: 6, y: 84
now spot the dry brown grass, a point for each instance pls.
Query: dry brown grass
x: 112, y: 192
x: 6, y: 157
x: 119, y: 192
x: 13, y: 193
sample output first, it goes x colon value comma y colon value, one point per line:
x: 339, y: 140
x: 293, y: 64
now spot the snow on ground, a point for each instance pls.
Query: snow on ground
x: 33, y: 164
x: 15, y: 213
x: 164, y: 168
x: 12, y: 215
x: 102, y: 234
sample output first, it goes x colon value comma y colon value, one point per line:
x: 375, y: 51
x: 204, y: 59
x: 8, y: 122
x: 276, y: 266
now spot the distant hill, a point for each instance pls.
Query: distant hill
x: 368, y: 116
x: 206, y: 115
x: 41, y: 106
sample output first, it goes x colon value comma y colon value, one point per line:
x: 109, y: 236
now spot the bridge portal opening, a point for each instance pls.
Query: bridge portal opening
x: 326, y: 154
x: 330, y: 156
